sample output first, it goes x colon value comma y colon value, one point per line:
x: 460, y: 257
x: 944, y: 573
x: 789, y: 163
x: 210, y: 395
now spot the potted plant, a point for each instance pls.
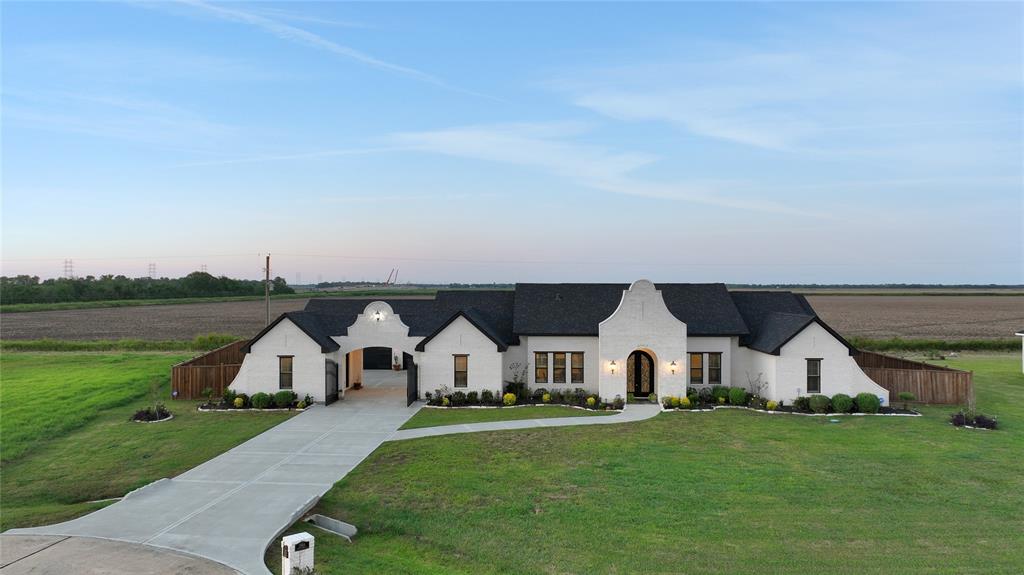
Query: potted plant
x: 395, y: 364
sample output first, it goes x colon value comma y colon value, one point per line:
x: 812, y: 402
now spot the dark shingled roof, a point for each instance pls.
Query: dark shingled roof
x: 577, y: 309
x: 763, y: 320
x: 775, y: 317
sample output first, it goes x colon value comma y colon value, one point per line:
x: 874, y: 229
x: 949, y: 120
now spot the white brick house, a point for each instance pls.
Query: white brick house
x: 609, y: 339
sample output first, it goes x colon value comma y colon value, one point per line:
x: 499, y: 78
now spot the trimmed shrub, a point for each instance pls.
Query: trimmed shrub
x: 486, y: 397
x: 737, y: 396
x: 591, y: 401
x: 771, y: 405
x: 756, y: 402
x: 260, y: 400
x: 244, y: 398
x: 719, y: 392
x: 239, y: 403
x: 684, y: 403
x: 509, y: 399
x: 538, y: 394
x: 284, y: 398
x: 704, y: 395
x: 906, y: 396
x: 301, y: 405
x: 819, y: 403
x: 229, y: 396
x: 558, y: 396
x: 676, y: 401
x: 618, y: 402
x: 579, y: 396
x: 802, y: 404
x: 693, y: 398
x: 458, y: 398
x: 546, y: 398
x: 868, y: 403
x: 842, y: 403
x: 667, y: 402
x: 308, y: 400
x: 445, y: 402
x: 473, y: 398
x: 721, y: 401
x: 958, y: 419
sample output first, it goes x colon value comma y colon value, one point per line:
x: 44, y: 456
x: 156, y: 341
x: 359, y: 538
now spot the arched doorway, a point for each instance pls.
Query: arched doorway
x: 640, y: 374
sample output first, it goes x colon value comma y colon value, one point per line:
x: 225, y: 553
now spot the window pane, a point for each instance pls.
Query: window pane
x: 813, y: 376
x: 540, y: 370
x: 461, y: 362
x: 714, y: 369
x: 461, y: 369
x: 284, y: 378
x: 696, y: 369
x: 577, y: 368
x: 558, y: 370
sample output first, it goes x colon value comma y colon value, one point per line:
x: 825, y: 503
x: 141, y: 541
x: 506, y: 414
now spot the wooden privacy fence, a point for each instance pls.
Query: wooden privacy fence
x: 929, y: 383
x: 214, y: 370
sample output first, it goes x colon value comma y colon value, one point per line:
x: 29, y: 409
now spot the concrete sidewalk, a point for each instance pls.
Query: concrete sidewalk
x: 633, y: 412
x: 231, y: 507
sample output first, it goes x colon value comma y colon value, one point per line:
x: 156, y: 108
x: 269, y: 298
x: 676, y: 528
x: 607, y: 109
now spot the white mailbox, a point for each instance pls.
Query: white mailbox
x: 297, y: 554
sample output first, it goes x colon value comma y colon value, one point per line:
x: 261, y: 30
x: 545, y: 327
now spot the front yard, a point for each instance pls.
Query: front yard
x: 68, y: 441
x: 723, y: 492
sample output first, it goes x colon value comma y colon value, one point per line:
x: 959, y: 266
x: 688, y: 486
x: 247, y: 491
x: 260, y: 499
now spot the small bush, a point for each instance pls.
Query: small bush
x: 906, y: 396
x: 684, y: 403
x: 721, y: 401
x: 284, y: 398
x: 579, y: 396
x: 666, y: 402
x: 737, y: 396
x: 958, y: 419
x: 819, y: 403
x: 308, y: 399
x: 705, y: 395
x: 260, y: 400
x: 984, y: 422
x: 473, y: 398
x: 301, y: 405
x: 842, y: 403
x: 802, y: 404
x: 538, y: 394
x: 155, y: 413
x: 693, y: 398
x: 458, y: 399
x: 229, y: 396
x: 720, y: 392
x: 618, y: 402
x: 486, y: 397
x: 676, y: 401
x: 868, y: 403
x: 771, y: 405
x: 591, y: 401
x: 445, y: 402
x: 546, y: 398
x: 756, y: 402
x: 244, y: 398
x: 239, y: 403
x: 509, y: 399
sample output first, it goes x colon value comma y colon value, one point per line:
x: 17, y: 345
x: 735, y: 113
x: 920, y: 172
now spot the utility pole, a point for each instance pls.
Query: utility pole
x: 266, y: 288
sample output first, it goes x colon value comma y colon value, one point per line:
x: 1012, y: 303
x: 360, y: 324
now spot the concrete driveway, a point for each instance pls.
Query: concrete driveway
x: 231, y: 507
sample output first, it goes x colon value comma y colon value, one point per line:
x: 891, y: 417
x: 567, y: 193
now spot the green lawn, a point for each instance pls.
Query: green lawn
x: 723, y: 492
x: 67, y: 438
x: 434, y: 417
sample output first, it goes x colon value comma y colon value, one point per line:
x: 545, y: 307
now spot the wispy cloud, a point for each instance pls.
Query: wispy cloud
x: 304, y: 37
x: 287, y: 157
x: 548, y: 148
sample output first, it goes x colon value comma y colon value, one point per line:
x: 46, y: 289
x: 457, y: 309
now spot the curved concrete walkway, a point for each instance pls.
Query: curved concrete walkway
x: 232, y: 507
x: 634, y: 412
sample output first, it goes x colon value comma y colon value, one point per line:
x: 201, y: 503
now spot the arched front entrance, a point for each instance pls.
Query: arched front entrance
x: 640, y: 374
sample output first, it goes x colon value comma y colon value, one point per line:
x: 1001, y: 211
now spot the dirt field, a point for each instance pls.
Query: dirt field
x: 946, y: 317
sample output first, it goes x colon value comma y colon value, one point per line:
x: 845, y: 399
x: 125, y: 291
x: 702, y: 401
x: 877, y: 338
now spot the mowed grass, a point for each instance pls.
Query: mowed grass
x: 68, y: 441
x: 433, y: 417
x: 723, y: 492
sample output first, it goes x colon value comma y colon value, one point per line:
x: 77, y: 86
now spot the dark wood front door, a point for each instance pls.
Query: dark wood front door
x: 639, y: 374
x: 412, y: 380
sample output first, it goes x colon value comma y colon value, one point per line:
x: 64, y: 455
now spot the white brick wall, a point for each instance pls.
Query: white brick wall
x: 437, y: 364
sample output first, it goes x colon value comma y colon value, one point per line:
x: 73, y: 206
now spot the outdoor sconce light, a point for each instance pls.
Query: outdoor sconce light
x: 378, y: 316
x: 673, y: 367
x: 612, y: 366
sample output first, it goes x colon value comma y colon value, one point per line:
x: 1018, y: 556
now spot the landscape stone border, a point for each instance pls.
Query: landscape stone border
x: 168, y: 418
x: 522, y: 405
x: 251, y: 409
x: 915, y: 414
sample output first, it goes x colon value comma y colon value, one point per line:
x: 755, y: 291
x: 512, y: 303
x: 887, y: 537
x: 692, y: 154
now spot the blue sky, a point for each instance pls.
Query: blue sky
x: 467, y: 142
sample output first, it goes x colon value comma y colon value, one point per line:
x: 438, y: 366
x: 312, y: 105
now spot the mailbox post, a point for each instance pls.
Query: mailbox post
x: 297, y: 554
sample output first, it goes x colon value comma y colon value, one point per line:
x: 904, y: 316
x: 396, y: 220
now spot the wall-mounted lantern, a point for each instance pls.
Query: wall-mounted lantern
x: 377, y: 316
x: 672, y: 366
x: 612, y: 366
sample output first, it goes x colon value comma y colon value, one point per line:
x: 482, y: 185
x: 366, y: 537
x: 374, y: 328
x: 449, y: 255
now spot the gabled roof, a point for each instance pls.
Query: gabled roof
x: 474, y: 317
x: 577, y: 309
x: 775, y: 317
x: 311, y: 324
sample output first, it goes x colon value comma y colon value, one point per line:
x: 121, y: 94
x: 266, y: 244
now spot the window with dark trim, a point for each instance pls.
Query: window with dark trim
x: 714, y: 369
x: 813, y: 376
x: 284, y: 371
x: 558, y: 367
x: 576, y: 375
x: 696, y: 369
x: 540, y: 367
x: 461, y: 370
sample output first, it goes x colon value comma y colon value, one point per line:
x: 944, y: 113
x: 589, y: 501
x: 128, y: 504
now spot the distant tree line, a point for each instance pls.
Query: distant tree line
x: 29, y: 289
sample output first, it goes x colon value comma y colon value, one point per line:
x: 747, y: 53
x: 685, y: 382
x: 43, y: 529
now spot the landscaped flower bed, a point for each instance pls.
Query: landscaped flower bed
x: 972, y: 420
x: 716, y: 397
x: 154, y: 414
x: 578, y: 398
x: 283, y: 400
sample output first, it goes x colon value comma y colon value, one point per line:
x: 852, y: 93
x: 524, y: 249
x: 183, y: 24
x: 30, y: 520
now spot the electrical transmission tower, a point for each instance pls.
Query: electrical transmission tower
x: 69, y: 269
x: 151, y: 271
x: 202, y: 268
